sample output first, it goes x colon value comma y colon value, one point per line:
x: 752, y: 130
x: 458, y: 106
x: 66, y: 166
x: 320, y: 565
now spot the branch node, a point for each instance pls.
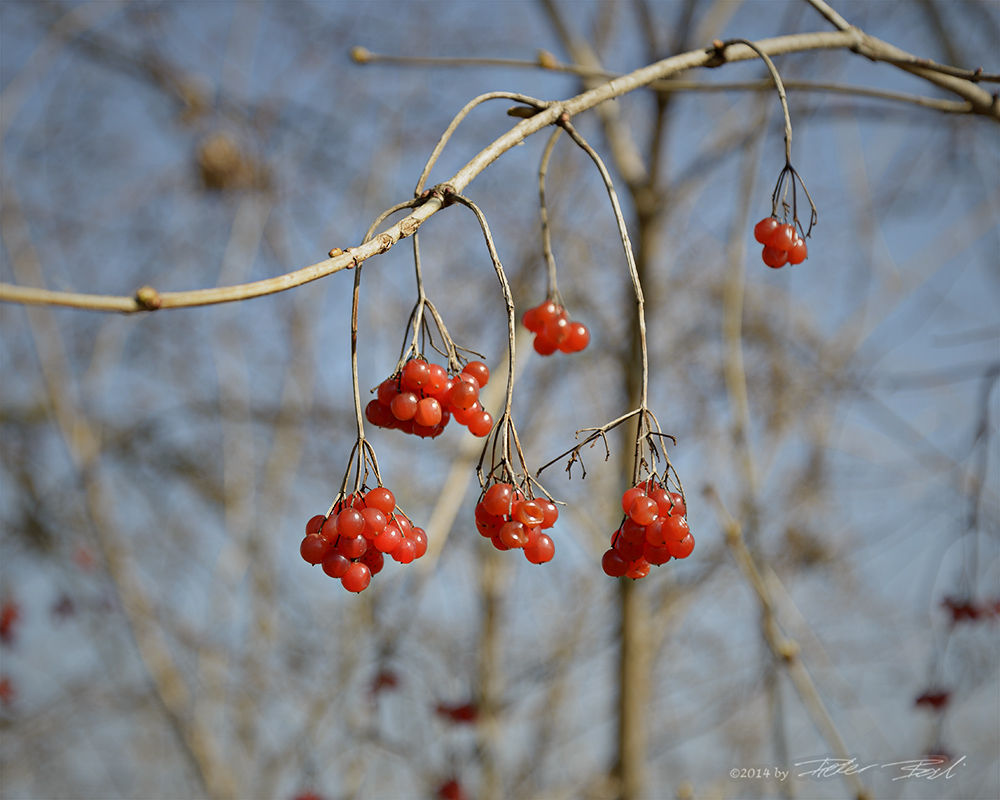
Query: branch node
x: 148, y: 298
x: 361, y: 55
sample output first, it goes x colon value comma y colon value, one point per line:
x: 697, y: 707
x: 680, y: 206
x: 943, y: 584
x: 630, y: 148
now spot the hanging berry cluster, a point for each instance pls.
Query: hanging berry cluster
x: 655, y: 529
x: 782, y: 243
x: 512, y: 521
x: 352, y: 541
x: 554, y: 330
x: 422, y: 398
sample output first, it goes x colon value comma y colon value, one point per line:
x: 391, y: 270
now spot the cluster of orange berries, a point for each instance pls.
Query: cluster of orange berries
x: 363, y: 528
x: 554, y: 330
x: 782, y: 243
x: 512, y: 521
x: 422, y: 398
x: 655, y: 530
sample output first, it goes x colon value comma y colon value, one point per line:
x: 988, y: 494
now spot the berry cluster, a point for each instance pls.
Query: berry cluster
x: 512, y: 521
x: 422, y: 398
x: 351, y: 543
x: 654, y: 531
x: 782, y: 243
x: 554, y: 330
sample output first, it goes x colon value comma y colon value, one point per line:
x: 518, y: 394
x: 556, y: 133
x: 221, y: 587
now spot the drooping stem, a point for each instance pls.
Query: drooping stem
x: 778, y: 85
x: 629, y: 255
x: 552, y: 290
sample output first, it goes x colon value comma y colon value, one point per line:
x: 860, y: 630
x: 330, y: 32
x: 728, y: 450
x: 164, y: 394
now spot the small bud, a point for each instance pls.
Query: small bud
x: 546, y: 60
x: 148, y: 298
x: 360, y: 55
x: 336, y: 251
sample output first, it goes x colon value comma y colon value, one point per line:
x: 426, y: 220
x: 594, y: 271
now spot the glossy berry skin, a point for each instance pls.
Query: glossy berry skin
x: 336, y: 564
x: 480, y: 424
x: 314, y: 548
x: 683, y: 548
x: 774, y: 257
x: 404, y: 552
x: 374, y: 560
x: 419, y: 538
x: 630, y: 495
x: 315, y: 524
x: 350, y: 523
x: 388, y: 539
x: 764, y: 230
x: 479, y: 371
x: 529, y: 513
x: 783, y: 237
x: 375, y: 522
x: 415, y: 375
x: 428, y: 412
x: 404, y: 405
x: 643, y: 510
x: 541, y: 551
x: 352, y: 546
x: 382, y: 499
x: 798, y: 252
x: 357, y: 577
x: 577, y: 340
x: 613, y: 564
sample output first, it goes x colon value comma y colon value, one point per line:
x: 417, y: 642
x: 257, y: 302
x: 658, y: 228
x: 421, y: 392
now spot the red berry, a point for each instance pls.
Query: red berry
x: 679, y: 509
x: 314, y: 548
x: 330, y: 528
x: 784, y: 237
x: 499, y: 499
x: 541, y: 550
x: 357, y: 577
x: 415, y: 375
x: 630, y: 495
x: 557, y: 330
x: 335, y: 563
x: 382, y: 499
x: 374, y: 560
x: 513, y: 534
x: 315, y: 524
x: 675, y: 528
x: 480, y: 424
x: 405, y: 551
x: 613, y: 564
x: 530, y: 513
x: 655, y: 555
x: 479, y: 371
x: 629, y: 549
x: 404, y: 405
x: 498, y: 542
x: 388, y: 539
x: 632, y: 531
x: 387, y: 390
x: 437, y: 384
x: 547, y: 311
x: 379, y: 415
x: 773, y: 257
x: 638, y: 569
x: 654, y: 532
x: 428, y: 412
x: 352, y: 546
x: 798, y: 252
x: 486, y: 523
x: 643, y: 510
x: 350, y: 523
x: 531, y: 321
x: 464, y: 394
x: 419, y: 537
x: 764, y: 230
x: 683, y: 548
x: 543, y: 345
x: 550, y: 513
x: 577, y: 340
x: 375, y: 522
